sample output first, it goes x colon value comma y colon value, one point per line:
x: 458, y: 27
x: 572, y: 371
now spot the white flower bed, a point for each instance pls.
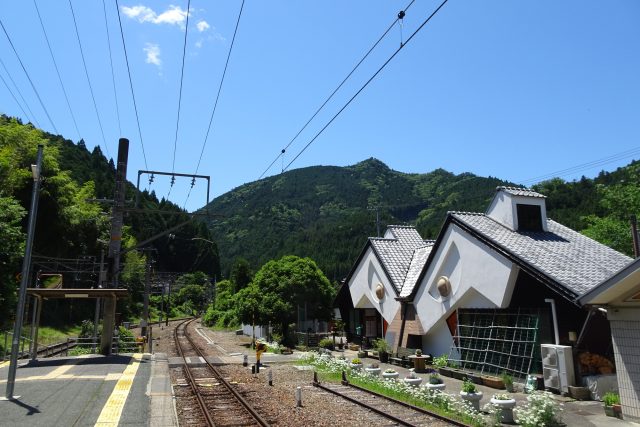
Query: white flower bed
x: 447, y: 402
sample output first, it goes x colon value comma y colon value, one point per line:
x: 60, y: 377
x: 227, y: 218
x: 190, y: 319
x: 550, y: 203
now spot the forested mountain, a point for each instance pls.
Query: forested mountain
x: 327, y: 212
x: 71, y: 231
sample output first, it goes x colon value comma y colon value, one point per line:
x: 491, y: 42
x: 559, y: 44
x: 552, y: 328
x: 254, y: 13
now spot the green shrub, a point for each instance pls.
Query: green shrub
x: 468, y: 386
x: 326, y: 343
x: 610, y: 398
x: 440, y: 361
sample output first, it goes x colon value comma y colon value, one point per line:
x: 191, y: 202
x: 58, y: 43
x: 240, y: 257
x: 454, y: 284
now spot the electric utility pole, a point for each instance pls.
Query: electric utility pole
x: 115, y: 244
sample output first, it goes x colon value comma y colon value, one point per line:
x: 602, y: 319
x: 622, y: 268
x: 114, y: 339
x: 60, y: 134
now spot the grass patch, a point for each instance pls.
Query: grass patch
x: 48, y: 335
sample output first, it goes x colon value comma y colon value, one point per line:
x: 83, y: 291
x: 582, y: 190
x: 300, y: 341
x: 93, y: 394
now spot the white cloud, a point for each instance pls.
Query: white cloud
x: 199, y: 43
x: 153, y: 54
x: 174, y: 15
x: 202, y: 26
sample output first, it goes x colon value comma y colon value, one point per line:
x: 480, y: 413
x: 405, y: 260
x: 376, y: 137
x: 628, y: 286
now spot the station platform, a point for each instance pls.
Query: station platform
x: 90, y: 391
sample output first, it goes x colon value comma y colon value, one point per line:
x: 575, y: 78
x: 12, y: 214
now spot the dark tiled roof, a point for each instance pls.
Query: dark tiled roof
x: 396, y: 253
x: 521, y: 192
x: 571, y: 259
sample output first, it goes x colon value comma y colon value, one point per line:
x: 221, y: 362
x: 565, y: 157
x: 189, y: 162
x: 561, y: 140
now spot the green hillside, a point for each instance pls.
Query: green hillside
x: 327, y: 212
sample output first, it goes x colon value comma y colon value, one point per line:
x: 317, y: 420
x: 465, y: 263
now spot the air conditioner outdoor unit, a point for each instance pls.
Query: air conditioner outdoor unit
x: 557, y: 367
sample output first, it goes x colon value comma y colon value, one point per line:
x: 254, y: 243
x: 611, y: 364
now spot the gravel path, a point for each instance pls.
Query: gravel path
x: 277, y: 403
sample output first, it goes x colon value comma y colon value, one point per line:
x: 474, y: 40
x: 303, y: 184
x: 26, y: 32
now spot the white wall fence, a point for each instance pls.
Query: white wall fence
x: 314, y: 326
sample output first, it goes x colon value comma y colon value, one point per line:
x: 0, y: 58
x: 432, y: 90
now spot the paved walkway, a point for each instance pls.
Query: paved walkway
x: 575, y: 414
x: 89, y: 391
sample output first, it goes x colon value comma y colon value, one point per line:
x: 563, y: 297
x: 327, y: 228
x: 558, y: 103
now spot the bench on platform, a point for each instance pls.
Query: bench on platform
x: 401, y: 358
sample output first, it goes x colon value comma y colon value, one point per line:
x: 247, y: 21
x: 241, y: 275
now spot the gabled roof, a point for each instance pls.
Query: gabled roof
x: 608, y: 291
x: 521, y: 192
x: 396, y: 253
x: 561, y: 257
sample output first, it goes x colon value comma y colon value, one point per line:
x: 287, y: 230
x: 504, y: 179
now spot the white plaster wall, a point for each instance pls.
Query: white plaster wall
x: 362, y: 287
x: 438, y: 341
x: 503, y: 209
x: 480, y: 278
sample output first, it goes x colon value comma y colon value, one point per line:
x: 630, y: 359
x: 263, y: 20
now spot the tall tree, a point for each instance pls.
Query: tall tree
x: 279, y: 287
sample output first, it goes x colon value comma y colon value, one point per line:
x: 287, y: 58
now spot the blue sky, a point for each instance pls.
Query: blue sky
x: 513, y: 89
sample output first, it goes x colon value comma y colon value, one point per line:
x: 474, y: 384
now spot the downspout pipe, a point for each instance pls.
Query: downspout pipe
x: 555, y: 318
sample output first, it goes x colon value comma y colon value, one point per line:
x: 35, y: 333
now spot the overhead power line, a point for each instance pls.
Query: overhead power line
x: 175, y: 141
x: 224, y: 73
x: 55, y: 64
x: 86, y: 72
x: 584, y: 166
x: 366, y: 84
x: 113, y: 77
x: 398, y: 18
x: 32, y: 119
x: 28, y: 77
x: 135, y: 107
x: 14, y: 97
x: 215, y: 105
x: 184, y: 51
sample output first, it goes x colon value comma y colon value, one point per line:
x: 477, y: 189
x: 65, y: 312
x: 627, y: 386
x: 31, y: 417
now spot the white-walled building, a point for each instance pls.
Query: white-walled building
x: 490, y: 280
x: 620, y: 297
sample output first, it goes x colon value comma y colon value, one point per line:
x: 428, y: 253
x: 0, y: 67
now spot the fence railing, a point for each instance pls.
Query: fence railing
x: 71, y: 346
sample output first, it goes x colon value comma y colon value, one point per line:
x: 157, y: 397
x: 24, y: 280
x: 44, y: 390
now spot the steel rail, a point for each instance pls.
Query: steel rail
x: 393, y: 418
x: 229, y: 387
x: 191, y: 380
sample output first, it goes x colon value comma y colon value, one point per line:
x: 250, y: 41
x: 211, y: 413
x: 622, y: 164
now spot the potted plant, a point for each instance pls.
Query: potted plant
x: 418, y: 352
x: 412, y: 379
x: 508, y: 381
x: 440, y: 363
x: 382, y: 347
x: 356, y: 364
x: 435, y: 382
x: 612, y: 406
x: 470, y: 393
x: 390, y: 374
x: 373, y: 369
x: 505, y: 405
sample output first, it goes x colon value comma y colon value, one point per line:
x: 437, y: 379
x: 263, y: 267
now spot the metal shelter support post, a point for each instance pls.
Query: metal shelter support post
x: 26, y: 264
x: 36, y: 325
x: 114, y: 245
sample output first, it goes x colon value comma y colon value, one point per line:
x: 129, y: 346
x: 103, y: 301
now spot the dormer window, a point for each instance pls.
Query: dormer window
x: 529, y: 217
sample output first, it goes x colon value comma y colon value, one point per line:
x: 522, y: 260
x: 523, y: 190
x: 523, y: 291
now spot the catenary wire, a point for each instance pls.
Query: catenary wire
x: 86, y: 72
x: 184, y: 51
x: 135, y: 107
x: 113, y: 77
x: 366, y: 84
x: 175, y: 141
x: 215, y: 105
x: 584, y: 166
x: 334, y: 91
x: 28, y: 77
x: 55, y: 64
x: 14, y: 97
x: 21, y: 97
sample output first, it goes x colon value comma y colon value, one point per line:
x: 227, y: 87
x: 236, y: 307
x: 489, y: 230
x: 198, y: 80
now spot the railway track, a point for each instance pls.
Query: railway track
x: 218, y: 402
x: 395, y: 411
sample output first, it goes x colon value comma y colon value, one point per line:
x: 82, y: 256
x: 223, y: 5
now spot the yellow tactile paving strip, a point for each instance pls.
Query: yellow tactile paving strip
x: 110, y: 415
